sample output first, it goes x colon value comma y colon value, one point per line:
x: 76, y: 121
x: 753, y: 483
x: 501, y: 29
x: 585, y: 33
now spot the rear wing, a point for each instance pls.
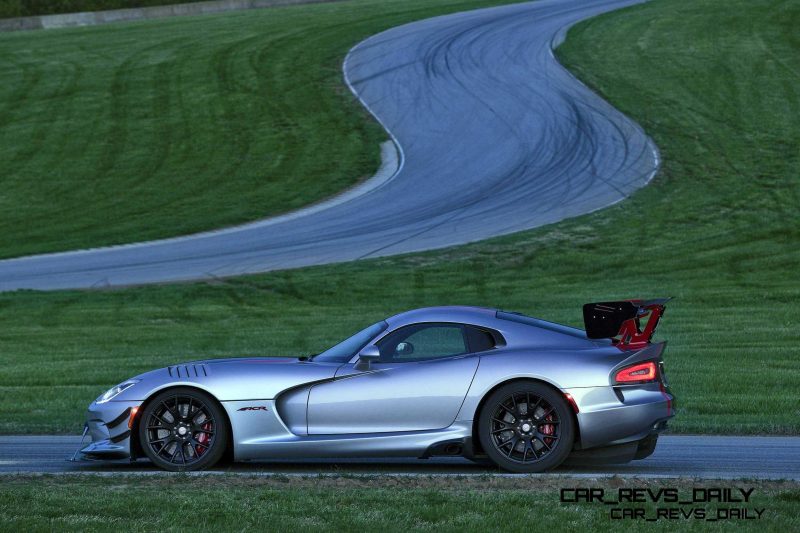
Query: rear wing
x: 622, y: 321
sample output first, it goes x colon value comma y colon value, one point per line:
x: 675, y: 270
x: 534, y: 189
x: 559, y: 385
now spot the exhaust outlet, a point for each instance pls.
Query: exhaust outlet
x: 453, y: 449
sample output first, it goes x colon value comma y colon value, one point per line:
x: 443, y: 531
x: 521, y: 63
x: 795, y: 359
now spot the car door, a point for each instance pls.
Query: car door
x: 419, y: 383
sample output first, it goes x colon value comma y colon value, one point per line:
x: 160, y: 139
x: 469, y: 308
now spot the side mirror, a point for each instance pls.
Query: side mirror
x: 366, y: 356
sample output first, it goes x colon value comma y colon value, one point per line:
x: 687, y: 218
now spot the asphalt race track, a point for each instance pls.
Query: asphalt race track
x: 493, y: 137
x: 717, y: 457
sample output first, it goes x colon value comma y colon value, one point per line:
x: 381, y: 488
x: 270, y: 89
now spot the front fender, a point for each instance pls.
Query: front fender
x: 231, y: 380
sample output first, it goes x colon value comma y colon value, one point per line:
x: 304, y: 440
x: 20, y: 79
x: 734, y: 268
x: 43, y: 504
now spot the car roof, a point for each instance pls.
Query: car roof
x: 517, y: 329
x: 446, y: 313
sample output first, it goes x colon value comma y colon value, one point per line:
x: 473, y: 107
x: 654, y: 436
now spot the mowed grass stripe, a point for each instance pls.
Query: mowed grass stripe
x: 136, y: 131
x: 236, y: 503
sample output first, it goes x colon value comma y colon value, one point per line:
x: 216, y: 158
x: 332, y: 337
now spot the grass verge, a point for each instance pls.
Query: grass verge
x: 223, y: 503
x: 715, y: 84
x: 129, y: 132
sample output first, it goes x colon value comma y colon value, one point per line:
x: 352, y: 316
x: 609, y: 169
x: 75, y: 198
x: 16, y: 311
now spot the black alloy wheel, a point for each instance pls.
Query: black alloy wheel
x: 183, y: 429
x: 526, y: 426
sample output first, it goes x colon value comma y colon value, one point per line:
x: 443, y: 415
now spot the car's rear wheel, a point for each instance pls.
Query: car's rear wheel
x: 526, y: 426
x: 183, y: 429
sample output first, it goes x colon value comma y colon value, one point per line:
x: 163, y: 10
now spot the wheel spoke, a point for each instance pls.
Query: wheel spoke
x: 163, y: 422
x: 170, y: 411
x: 508, y: 410
x: 513, y: 445
x: 166, y: 440
x: 197, y: 413
x: 174, y: 453
x: 506, y: 438
x: 513, y: 438
x: 529, y: 445
x: 538, y: 402
x: 194, y: 449
x: 540, y: 439
x: 188, y: 449
x: 501, y: 421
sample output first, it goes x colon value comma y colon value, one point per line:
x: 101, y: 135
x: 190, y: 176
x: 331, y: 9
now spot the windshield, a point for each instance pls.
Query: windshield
x: 345, y: 350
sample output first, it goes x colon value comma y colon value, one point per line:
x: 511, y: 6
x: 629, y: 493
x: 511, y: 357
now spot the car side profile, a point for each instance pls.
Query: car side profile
x: 482, y: 383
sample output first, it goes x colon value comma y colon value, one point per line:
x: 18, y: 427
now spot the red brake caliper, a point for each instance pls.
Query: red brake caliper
x: 203, y: 439
x: 548, y: 429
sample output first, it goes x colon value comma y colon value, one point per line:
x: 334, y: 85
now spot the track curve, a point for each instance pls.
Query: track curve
x: 495, y: 137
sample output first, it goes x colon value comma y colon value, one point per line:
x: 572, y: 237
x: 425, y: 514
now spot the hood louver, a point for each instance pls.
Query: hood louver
x: 188, y: 371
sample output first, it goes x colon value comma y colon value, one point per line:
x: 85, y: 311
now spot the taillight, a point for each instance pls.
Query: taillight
x: 638, y: 373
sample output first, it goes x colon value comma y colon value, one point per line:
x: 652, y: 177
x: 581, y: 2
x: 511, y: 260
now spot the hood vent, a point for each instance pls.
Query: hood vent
x: 188, y: 371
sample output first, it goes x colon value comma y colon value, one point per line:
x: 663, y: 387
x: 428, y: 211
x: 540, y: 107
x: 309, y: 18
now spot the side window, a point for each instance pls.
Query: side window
x: 423, y: 341
x: 479, y: 340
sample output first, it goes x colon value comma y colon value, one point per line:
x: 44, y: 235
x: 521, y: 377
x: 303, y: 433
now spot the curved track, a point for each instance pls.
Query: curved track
x: 495, y: 137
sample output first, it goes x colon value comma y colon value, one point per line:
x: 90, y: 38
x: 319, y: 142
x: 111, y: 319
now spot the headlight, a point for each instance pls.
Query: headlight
x: 117, y: 389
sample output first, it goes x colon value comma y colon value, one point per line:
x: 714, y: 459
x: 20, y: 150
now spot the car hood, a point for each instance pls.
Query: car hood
x: 249, y: 360
x: 233, y: 379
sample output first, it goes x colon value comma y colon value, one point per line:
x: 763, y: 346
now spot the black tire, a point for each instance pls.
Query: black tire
x: 526, y: 427
x: 183, y: 429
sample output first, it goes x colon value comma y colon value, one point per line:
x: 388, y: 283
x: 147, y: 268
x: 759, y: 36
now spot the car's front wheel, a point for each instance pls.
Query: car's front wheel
x: 526, y: 427
x: 183, y: 429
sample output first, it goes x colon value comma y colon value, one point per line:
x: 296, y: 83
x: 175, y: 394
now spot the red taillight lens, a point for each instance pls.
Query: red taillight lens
x: 638, y: 373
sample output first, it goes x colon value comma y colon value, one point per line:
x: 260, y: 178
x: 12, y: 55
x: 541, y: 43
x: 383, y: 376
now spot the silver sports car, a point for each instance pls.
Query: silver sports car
x: 485, y: 384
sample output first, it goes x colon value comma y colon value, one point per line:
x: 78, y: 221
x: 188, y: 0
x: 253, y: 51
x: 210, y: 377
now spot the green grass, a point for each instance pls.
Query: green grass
x: 120, y: 133
x: 223, y: 503
x: 27, y: 8
x: 715, y: 83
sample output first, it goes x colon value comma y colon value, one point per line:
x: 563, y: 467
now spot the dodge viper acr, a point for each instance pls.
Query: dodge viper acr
x: 485, y: 384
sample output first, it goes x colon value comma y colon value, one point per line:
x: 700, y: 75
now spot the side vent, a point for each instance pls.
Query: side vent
x: 188, y: 371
